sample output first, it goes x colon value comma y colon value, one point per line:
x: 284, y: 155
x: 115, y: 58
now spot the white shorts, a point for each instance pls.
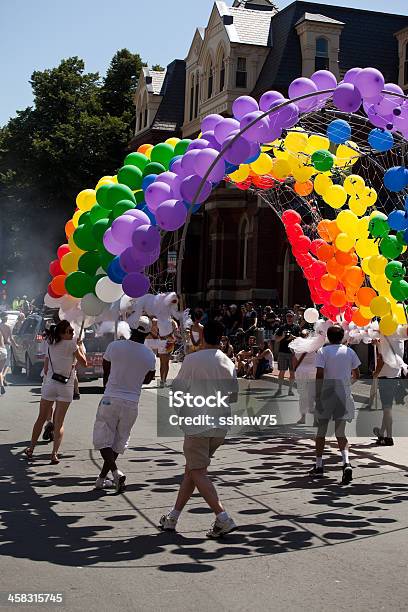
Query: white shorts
x: 54, y: 391
x: 114, y: 421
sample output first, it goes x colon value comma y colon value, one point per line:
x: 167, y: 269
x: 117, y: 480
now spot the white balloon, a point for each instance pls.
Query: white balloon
x: 311, y: 315
x: 91, y: 305
x: 108, y: 291
x: 52, y: 302
x: 68, y: 302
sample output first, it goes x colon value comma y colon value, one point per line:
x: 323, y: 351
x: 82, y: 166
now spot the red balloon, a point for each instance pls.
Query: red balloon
x: 302, y: 244
x: 290, y: 217
x: 63, y: 250
x: 318, y: 242
x: 51, y: 292
x: 55, y: 268
x: 305, y: 260
x: 319, y: 268
x: 294, y: 230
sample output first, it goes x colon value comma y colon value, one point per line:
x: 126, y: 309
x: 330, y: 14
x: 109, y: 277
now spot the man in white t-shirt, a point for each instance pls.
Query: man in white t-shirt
x: 336, y: 365
x: 127, y: 365
x: 204, y: 373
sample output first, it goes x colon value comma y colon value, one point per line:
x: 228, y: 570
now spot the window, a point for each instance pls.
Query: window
x: 222, y: 74
x: 210, y: 81
x: 322, y: 54
x: 197, y: 90
x: 140, y: 121
x: 406, y: 64
x: 243, y: 249
x: 192, y: 97
x: 241, y: 74
x: 145, y: 117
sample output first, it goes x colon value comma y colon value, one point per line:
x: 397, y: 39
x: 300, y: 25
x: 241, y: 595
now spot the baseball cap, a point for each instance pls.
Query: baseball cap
x: 142, y: 324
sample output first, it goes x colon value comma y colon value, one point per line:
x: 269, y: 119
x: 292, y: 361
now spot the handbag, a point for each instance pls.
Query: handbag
x: 55, y: 376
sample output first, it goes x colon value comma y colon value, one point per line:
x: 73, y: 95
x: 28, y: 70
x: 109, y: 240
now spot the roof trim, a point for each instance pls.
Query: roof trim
x: 318, y: 18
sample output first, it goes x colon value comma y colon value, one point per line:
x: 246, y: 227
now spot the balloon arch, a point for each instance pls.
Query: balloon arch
x: 329, y: 159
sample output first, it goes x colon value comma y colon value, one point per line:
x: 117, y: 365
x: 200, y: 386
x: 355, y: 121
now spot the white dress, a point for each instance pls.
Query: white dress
x: 305, y: 377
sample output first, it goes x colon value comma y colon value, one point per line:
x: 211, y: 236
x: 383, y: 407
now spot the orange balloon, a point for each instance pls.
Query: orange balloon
x: 323, y: 229
x: 354, y: 276
x: 325, y: 252
x: 344, y: 259
x: 143, y: 148
x: 365, y: 295
x: 334, y: 268
x: 354, y: 258
x: 304, y: 189
x: 338, y: 298
x: 350, y: 293
x: 58, y: 284
x: 329, y: 282
x: 69, y: 228
x: 333, y: 230
x: 358, y: 319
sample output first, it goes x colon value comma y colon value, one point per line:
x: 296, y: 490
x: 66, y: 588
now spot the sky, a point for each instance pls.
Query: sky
x: 37, y: 34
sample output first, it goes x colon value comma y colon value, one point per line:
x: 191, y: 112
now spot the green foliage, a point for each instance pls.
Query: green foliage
x: 158, y: 68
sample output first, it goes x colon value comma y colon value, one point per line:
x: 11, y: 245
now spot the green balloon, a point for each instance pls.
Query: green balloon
x: 97, y: 212
x: 162, y: 153
x: 322, y: 160
x: 117, y: 193
x: 139, y: 196
x: 130, y: 176
x: 106, y: 258
x: 83, y: 238
x: 79, y: 284
x: 378, y: 226
x: 89, y: 262
x: 399, y: 290
x: 121, y: 207
x: 100, y: 228
x: 136, y: 159
x: 181, y: 146
x: 102, y: 195
x: 390, y: 247
x: 153, y: 168
x: 395, y: 270
x: 85, y: 218
x: 401, y: 237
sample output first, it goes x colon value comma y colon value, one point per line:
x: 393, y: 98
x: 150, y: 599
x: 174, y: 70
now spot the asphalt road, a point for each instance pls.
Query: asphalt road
x: 300, y: 545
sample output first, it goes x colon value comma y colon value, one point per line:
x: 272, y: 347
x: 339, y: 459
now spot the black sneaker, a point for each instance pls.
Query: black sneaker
x: 388, y: 442
x: 347, y: 474
x: 316, y: 472
x: 76, y: 396
x: 48, y: 431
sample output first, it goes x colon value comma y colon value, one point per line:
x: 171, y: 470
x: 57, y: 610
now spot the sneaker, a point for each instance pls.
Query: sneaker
x: 104, y: 483
x: 380, y: 441
x: 119, y: 480
x: 316, y: 472
x: 77, y: 396
x: 388, y: 442
x: 48, y: 433
x: 167, y: 523
x: 347, y: 474
x: 220, y: 528
x: 290, y: 392
x: 2, y: 390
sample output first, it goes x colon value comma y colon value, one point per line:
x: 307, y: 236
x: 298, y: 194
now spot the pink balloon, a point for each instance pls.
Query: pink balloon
x: 156, y: 193
x: 146, y: 238
x: 135, y: 284
x: 171, y: 215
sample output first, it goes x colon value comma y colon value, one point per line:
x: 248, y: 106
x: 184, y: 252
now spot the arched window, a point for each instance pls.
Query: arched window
x: 322, y: 54
x: 406, y: 64
x: 210, y: 80
x: 222, y: 73
x: 243, y: 248
x: 140, y: 120
x: 145, y: 116
x: 192, y: 97
x: 197, y: 94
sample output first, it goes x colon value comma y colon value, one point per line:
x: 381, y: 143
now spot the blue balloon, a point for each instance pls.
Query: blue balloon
x: 194, y: 209
x: 148, y: 212
x: 339, y: 131
x: 380, y: 140
x: 115, y: 272
x: 253, y: 158
x: 173, y: 160
x: 396, y: 178
x: 229, y: 168
x: 406, y: 203
x: 148, y: 180
x: 397, y: 220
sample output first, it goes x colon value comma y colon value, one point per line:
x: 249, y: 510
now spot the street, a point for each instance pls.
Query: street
x: 299, y: 544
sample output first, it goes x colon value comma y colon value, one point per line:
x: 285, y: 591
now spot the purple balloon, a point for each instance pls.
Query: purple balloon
x: 238, y: 152
x: 146, y: 238
x: 301, y: 87
x: 375, y: 119
x: 324, y: 79
x: 189, y: 189
x: 212, y: 141
x: 112, y: 245
x: 178, y: 169
x: 203, y: 162
x: 135, y: 284
x: 257, y: 132
x: 347, y: 98
x: 351, y: 75
x: 156, y: 193
x: 171, y: 215
x: 210, y: 121
x: 268, y: 98
x: 224, y: 128
x: 122, y: 229
x: 370, y: 82
x: 198, y: 143
x: 187, y: 162
x: 285, y: 117
x: 389, y: 102
x: 168, y: 178
x: 138, y: 215
x: 128, y: 261
x: 244, y: 105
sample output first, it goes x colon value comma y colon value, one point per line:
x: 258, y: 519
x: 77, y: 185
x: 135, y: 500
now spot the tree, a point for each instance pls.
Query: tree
x: 158, y: 68
x: 119, y: 84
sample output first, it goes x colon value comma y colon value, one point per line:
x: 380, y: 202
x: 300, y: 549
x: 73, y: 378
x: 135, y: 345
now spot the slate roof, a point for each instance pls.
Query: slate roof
x: 170, y: 114
x: 367, y: 39
x: 157, y: 77
x: 251, y: 27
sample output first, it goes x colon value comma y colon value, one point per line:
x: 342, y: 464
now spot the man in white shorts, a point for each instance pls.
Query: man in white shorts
x: 127, y: 365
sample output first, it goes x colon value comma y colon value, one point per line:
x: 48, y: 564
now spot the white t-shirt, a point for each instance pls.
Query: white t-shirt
x: 338, y: 360
x: 130, y: 362
x: 62, y: 358
x: 394, y: 347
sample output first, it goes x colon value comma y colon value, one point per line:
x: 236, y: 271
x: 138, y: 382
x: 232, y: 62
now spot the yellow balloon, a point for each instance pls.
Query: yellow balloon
x: 69, y: 262
x: 148, y: 152
x: 75, y: 217
x: 380, y: 306
x: 383, y: 285
x: 357, y: 205
x: 240, y: 174
x: 344, y: 242
x: 296, y: 141
x: 73, y: 246
x: 103, y: 182
x: 115, y: 178
x: 335, y: 196
x: 172, y: 141
x: 302, y: 173
x: 317, y: 142
x: 262, y: 165
x: 399, y: 312
x: 377, y: 264
x: 281, y: 168
x: 86, y: 199
x: 365, y: 265
x: 369, y: 196
x: 362, y: 226
x: 388, y: 325
x: 366, y: 312
x: 322, y: 183
x: 279, y: 149
x: 347, y: 222
x: 354, y: 184
x: 347, y: 154
x: 365, y: 247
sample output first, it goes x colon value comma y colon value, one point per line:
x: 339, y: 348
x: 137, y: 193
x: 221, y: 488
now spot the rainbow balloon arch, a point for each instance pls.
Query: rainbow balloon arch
x: 348, y: 233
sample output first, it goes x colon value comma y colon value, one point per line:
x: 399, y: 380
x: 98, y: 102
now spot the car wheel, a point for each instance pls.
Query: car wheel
x: 15, y: 369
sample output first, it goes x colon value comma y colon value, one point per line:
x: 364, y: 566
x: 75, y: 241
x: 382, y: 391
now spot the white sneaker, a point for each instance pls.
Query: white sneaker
x: 220, y: 528
x: 168, y: 523
x: 104, y: 483
x: 119, y: 480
